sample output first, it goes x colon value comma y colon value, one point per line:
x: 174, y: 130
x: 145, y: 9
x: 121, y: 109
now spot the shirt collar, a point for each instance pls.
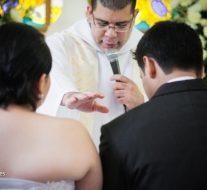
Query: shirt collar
x: 181, y: 79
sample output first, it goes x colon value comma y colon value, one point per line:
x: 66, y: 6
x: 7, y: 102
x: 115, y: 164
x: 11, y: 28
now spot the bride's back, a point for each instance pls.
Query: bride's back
x: 38, y: 147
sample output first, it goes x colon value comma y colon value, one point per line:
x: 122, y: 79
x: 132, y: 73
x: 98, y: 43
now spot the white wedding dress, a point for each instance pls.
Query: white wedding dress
x: 19, y: 184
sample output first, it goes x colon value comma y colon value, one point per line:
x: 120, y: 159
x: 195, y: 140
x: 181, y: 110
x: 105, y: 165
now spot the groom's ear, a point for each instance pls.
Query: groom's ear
x: 150, y: 68
x: 202, y: 74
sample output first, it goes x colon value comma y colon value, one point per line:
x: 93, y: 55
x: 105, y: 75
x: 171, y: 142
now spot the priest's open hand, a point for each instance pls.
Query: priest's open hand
x: 84, y: 101
x: 127, y: 92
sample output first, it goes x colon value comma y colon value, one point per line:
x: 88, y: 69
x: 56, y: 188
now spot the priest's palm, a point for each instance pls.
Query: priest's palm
x: 84, y: 101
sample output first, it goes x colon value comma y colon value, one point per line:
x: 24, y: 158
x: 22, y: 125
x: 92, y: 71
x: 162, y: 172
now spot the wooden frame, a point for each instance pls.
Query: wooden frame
x: 47, y: 9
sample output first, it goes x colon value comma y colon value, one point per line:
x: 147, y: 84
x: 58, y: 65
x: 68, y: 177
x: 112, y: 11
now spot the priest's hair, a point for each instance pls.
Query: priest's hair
x: 114, y: 4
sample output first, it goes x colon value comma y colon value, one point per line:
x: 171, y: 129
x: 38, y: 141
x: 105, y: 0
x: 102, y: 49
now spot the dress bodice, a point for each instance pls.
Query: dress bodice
x: 19, y: 184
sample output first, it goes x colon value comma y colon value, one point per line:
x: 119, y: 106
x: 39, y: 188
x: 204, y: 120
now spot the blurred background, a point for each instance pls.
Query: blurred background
x: 50, y: 16
x: 72, y: 11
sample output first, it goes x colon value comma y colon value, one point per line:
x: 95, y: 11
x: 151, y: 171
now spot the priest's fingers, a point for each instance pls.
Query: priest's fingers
x: 129, y: 85
x: 119, y: 93
x: 120, y: 78
x: 120, y: 86
x: 73, y: 99
x: 83, y: 96
x: 131, y: 100
x: 122, y: 100
x: 93, y: 94
x: 82, y: 105
x: 99, y: 108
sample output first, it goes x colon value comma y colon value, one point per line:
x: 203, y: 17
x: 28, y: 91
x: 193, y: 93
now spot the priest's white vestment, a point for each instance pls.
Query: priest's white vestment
x: 79, y: 65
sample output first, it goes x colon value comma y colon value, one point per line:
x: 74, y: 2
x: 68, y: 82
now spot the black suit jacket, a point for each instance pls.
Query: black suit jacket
x: 160, y: 145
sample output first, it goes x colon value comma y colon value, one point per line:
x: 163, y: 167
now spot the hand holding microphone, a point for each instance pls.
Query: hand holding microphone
x: 126, y: 91
x: 113, y: 55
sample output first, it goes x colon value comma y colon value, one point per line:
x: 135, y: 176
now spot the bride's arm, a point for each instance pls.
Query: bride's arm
x: 78, y: 159
x: 92, y: 180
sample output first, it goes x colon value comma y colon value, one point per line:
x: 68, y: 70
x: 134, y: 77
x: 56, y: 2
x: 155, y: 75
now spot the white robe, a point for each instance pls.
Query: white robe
x: 61, y: 76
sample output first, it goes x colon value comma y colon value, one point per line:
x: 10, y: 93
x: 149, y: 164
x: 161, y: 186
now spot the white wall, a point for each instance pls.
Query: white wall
x: 73, y: 10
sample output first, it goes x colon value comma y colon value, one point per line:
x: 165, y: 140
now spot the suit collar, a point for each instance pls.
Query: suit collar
x: 181, y: 86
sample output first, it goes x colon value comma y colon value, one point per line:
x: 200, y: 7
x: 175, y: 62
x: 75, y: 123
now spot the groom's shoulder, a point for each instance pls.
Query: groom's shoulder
x: 131, y: 121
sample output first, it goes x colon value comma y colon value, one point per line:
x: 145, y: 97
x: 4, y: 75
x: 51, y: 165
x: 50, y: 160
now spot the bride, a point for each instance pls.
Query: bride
x: 38, y: 151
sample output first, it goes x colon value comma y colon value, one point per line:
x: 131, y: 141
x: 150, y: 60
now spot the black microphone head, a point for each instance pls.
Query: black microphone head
x: 112, y: 54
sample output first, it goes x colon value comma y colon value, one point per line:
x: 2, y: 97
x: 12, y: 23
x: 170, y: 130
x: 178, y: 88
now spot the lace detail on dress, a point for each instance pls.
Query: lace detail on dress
x: 18, y: 184
x: 62, y: 185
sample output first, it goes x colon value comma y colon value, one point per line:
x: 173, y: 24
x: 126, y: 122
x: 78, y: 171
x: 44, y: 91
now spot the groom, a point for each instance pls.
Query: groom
x: 162, y: 144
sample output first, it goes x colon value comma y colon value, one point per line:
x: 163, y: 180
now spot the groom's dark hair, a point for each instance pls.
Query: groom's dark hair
x: 173, y: 45
x: 114, y: 4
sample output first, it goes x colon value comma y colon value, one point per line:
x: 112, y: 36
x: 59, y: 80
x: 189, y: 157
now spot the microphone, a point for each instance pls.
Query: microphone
x: 113, y: 55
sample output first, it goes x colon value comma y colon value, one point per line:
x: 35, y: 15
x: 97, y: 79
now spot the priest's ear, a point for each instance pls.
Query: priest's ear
x: 136, y: 11
x: 150, y: 67
x: 89, y: 13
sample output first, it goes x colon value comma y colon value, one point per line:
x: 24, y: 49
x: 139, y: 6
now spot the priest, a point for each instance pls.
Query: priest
x: 83, y: 85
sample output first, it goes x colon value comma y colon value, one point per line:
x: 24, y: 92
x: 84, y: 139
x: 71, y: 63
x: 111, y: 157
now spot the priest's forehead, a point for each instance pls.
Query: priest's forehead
x: 106, y: 15
x: 114, y: 4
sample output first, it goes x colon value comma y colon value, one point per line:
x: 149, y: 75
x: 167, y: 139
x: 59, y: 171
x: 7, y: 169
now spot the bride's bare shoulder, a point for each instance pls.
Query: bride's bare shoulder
x: 70, y: 132
x: 68, y: 141
x: 63, y: 123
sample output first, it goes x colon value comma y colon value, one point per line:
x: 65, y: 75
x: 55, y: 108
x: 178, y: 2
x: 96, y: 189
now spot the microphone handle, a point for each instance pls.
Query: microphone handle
x: 115, y: 66
x: 116, y: 70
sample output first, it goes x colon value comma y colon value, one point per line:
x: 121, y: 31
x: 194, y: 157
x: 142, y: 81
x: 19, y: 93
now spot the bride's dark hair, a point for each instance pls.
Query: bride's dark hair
x: 24, y: 57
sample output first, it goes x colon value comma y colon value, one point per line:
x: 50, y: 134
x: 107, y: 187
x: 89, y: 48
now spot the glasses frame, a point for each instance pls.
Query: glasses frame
x: 107, y: 27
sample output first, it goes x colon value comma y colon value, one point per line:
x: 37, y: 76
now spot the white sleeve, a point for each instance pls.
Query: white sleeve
x: 60, y: 76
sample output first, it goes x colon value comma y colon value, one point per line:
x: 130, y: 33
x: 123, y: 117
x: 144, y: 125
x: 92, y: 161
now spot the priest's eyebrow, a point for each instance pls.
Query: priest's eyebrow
x: 117, y: 23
